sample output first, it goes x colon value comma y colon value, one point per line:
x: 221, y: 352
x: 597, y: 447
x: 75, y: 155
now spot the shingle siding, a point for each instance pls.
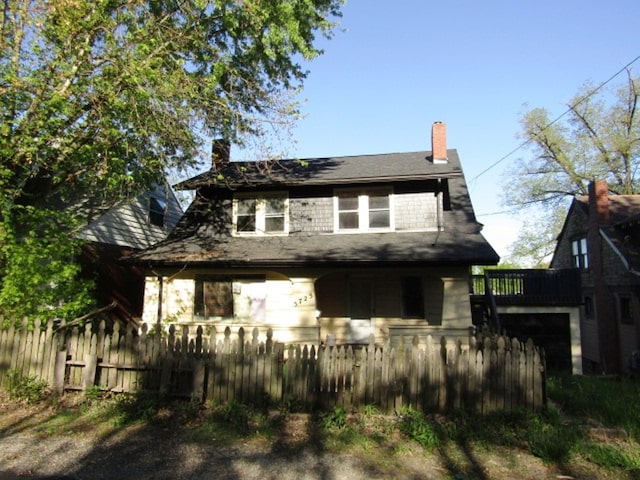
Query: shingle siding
x: 311, y: 215
x: 416, y: 211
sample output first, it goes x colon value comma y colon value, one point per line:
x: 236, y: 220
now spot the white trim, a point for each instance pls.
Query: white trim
x: 261, y: 215
x: 363, y: 210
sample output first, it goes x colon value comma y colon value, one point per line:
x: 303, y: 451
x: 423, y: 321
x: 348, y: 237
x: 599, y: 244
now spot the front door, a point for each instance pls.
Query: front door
x: 360, y: 309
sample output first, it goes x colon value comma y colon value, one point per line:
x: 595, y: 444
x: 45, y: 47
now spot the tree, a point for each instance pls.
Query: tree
x: 597, y: 138
x: 100, y: 98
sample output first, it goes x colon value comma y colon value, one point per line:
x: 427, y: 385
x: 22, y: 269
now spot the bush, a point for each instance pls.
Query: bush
x: 26, y: 388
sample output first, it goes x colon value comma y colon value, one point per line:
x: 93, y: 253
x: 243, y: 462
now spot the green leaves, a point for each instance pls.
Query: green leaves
x: 99, y: 98
x: 597, y: 138
x: 38, y: 273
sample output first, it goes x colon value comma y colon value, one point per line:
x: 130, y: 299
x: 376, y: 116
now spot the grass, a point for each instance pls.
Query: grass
x: 590, y: 420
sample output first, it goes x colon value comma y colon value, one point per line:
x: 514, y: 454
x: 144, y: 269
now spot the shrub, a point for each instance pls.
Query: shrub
x: 415, y: 426
x: 26, y: 388
x: 336, y: 419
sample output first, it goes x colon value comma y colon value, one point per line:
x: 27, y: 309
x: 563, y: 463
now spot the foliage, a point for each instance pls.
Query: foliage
x: 26, y: 388
x: 335, y: 419
x: 596, y: 139
x: 99, y: 99
x: 38, y: 275
x: 416, y: 426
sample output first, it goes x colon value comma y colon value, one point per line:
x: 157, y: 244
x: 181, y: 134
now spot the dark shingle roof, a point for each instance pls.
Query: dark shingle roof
x: 196, y: 240
x: 412, y: 248
x: 328, y: 171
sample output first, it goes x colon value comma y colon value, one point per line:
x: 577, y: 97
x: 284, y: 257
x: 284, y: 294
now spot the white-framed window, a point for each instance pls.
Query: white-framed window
x: 357, y: 210
x: 579, y: 253
x: 263, y: 214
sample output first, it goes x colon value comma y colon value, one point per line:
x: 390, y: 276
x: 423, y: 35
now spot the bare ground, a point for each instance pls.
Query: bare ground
x: 38, y: 442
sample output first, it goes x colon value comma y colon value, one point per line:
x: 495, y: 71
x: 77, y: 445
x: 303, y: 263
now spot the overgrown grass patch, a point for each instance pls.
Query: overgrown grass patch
x: 606, y: 401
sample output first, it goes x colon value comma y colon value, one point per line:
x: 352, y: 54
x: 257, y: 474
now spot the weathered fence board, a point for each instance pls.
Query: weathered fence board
x: 487, y: 374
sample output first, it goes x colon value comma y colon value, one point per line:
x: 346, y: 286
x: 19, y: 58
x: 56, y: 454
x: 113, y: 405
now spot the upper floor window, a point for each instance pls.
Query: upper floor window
x: 579, y: 253
x: 266, y: 214
x: 157, y: 209
x: 367, y: 210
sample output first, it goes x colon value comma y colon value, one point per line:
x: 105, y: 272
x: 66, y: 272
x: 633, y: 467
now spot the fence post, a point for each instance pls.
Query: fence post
x: 198, y: 379
x: 89, y: 371
x: 59, y: 372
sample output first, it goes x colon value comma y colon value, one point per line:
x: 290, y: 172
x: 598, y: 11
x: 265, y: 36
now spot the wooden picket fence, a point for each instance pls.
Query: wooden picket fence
x: 481, y: 375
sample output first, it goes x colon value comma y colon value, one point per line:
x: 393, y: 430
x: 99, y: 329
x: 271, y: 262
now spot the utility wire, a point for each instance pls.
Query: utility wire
x: 589, y: 95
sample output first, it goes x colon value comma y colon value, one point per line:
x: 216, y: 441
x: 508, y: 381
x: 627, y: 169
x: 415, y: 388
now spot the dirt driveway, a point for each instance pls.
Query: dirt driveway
x: 35, y: 444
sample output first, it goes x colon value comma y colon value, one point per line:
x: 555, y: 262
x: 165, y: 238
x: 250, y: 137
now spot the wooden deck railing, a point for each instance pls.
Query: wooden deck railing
x: 530, y: 286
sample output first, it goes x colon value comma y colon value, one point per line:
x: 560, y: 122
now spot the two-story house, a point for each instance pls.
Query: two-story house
x: 332, y: 248
x: 601, y: 238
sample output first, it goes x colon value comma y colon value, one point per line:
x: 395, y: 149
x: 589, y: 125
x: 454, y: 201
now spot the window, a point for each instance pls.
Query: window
x: 363, y: 211
x: 262, y: 215
x: 625, y: 309
x: 213, y: 297
x: 242, y: 298
x: 360, y: 298
x: 246, y: 215
x: 412, y: 297
x: 588, y: 307
x: 579, y: 253
x: 157, y: 208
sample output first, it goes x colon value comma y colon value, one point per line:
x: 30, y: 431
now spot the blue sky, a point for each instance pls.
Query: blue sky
x: 394, y: 68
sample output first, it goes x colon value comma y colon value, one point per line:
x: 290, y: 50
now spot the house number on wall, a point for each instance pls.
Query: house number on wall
x: 302, y: 300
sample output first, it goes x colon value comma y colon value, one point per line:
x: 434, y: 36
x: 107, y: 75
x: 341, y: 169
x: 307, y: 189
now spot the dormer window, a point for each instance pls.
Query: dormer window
x: 157, y: 209
x: 363, y: 210
x: 264, y: 214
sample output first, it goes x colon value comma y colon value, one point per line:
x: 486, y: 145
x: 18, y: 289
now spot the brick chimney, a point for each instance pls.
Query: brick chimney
x: 605, y: 302
x: 599, y: 201
x: 439, y: 142
x: 220, y: 153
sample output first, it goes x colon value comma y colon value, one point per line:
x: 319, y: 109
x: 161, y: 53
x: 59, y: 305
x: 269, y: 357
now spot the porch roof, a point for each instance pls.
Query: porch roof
x: 379, y: 249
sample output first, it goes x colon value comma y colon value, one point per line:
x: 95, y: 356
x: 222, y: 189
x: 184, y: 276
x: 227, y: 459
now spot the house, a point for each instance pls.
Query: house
x: 601, y: 238
x: 325, y: 249
x: 118, y: 231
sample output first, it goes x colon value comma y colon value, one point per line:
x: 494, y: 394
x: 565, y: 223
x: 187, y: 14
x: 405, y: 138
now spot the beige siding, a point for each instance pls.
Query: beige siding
x: 315, y: 305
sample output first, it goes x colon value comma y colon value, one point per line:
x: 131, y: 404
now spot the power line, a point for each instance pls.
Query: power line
x: 589, y: 95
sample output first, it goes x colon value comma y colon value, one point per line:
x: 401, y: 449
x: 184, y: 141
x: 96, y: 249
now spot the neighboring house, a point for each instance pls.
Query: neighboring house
x: 322, y: 249
x: 119, y: 231
x: 601, y: 238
